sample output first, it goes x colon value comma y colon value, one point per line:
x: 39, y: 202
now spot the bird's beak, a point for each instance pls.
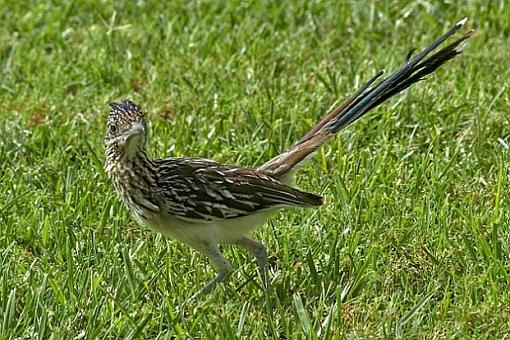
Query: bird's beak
x: 136, y: 129
x: 135, y: 139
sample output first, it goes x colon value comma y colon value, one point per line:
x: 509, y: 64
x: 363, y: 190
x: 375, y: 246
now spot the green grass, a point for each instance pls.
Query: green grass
x: 413, y: 240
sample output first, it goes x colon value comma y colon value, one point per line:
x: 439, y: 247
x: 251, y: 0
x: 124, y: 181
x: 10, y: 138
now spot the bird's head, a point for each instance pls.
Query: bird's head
x: 126, y: 128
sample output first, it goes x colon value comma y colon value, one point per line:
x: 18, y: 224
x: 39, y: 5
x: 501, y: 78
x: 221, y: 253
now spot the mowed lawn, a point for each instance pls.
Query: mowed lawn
x: 413, y: 240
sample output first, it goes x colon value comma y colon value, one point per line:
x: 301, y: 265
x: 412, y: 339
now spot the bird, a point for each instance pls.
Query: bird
x: 206, y: 204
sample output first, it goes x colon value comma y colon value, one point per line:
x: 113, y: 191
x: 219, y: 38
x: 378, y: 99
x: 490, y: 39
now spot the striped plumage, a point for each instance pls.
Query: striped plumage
x: 203, y: 203
x: 201, y: 189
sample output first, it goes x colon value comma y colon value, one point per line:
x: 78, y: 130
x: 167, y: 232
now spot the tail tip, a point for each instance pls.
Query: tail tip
x: 461, y: 22
x: 314, y: 200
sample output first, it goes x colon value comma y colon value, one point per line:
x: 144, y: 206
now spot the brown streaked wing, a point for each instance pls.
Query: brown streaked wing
x: 200, y: 189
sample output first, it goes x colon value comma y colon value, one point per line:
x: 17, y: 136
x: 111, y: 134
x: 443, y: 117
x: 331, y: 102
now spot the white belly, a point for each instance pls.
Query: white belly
x: 215, y: 232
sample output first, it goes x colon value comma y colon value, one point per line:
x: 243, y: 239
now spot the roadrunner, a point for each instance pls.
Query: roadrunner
x: 204, y: 204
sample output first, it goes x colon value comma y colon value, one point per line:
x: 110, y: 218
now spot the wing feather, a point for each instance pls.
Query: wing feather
x: 203, y: 190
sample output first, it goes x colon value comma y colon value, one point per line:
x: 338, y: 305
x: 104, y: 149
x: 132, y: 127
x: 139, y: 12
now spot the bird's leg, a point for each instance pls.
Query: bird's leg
x: 222, y: 266
x: 258, y: 250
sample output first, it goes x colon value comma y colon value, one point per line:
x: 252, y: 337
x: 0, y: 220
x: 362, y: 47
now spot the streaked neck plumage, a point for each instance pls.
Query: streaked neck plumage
x: 126, y: 156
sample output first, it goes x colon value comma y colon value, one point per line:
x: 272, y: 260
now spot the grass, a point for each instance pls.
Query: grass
x: 413, y: 239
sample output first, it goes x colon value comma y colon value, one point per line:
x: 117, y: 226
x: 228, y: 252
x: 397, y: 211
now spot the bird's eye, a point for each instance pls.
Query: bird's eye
x: 113, y: 129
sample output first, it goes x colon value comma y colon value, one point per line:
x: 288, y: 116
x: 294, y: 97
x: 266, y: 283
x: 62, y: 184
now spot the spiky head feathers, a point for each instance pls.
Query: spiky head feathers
x: 123, y: 117
x: 126, y: 127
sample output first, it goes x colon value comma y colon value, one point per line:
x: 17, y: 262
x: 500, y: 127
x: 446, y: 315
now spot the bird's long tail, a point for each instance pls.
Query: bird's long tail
x: 368, y: 97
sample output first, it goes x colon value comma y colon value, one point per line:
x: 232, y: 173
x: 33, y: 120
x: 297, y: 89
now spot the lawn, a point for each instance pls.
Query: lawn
x: 413, y: 240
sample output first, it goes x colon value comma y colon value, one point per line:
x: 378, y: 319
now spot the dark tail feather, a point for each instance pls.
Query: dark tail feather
x: 341, y: 108
x: 424, y: 68
x: 413, y: 71
x: 365, y: 99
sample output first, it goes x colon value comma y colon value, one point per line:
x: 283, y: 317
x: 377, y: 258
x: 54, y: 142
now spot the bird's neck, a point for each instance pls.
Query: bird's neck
x: 120, y: 159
